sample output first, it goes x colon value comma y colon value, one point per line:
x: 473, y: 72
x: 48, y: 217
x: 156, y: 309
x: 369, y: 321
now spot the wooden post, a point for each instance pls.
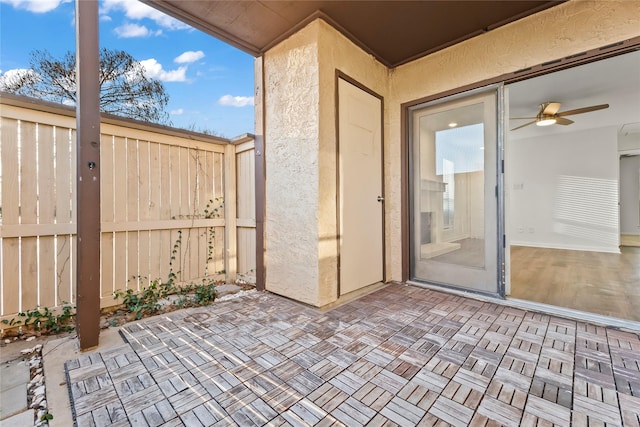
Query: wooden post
x: 260, y: 177
x: 88, y: 174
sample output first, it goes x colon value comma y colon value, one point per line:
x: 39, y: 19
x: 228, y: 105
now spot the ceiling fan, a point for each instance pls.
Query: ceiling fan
x: 549, y: 115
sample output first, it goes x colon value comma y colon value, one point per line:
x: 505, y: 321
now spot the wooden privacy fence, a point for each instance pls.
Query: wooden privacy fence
x: 171, y: 201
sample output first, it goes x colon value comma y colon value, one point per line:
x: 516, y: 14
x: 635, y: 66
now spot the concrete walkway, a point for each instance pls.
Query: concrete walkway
x: 14, y: 378
x: 400, y: 356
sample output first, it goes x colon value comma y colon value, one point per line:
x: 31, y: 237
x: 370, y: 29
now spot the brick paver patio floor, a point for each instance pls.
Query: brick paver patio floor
x: 401, y: 356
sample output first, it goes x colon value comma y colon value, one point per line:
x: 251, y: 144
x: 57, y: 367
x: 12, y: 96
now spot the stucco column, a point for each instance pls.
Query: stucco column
x: 291, y: 157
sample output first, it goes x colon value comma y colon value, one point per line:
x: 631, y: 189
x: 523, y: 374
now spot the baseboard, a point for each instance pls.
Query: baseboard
x: 630, y: 240
x: 567, y: 247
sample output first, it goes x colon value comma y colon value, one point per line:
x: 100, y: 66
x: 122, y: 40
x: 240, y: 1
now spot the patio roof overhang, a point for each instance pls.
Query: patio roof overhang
x: 395, y: 32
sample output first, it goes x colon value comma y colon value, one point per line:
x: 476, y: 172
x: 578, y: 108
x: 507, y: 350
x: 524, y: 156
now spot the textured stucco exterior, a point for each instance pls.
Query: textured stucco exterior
x: 291, y: 92
x: 336, y: 52
x: 300, y: 120
x: 300, y: 155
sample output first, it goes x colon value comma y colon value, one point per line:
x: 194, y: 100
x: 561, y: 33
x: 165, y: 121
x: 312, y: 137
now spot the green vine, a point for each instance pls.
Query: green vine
x: 45, y: 320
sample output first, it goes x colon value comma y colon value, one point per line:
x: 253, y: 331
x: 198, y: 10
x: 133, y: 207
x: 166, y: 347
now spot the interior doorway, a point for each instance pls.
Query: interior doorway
x: 562, y: 191
x: 630, y: 199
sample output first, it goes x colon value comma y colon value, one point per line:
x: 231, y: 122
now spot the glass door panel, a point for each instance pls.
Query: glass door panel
x: 454, y: 202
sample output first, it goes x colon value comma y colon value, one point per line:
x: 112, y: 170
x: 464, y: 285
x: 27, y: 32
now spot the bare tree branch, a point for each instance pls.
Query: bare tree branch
x: 125, y: 90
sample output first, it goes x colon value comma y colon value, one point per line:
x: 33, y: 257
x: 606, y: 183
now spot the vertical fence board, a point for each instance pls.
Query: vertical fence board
x: 166, y: 186
x: 106, y: 252
x: 174, y: 167
x: 46, y: 176
x: 247, y: 257
x: 64, y: 196
x: 246, y: 185
x: 218, y: 253
x: 120, y: 212
x: 245, y: 191
x: 28, y: 214
x: 10, y: 215
x: 143, y: 181
x: 133, y: 278
x: 133, y: 198
x: 203, y: 197
x: 185, y: 211
x: 29, y: 272
x: 47, y: 272
x: 165, y: 244
x: 28, y: 174
x: 218, y: 184
x: 193, y: 257
x: 64, y: 269
x: 120, y: 260
x: 10, y: 170
x: 176, y: 242
x: 159, y: 242
x: 107, y: 215
x: 185, y: 194
x: 144, y: 212
x: 194, y: 182
x: 46, y: 215
x: 156, y: 189
x: 10, y: 278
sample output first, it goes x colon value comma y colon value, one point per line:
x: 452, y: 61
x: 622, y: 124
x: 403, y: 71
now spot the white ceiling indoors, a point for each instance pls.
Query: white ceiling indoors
x: 614, y: 81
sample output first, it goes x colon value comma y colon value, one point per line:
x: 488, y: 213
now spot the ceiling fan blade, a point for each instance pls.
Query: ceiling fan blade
x: 562, y: 121
x: 583, y: 110
x: 521, y: 118
x: 550, y: 108
x: 526, y: 124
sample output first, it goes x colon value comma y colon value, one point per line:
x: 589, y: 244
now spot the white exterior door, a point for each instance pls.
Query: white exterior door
x: 361, y: 204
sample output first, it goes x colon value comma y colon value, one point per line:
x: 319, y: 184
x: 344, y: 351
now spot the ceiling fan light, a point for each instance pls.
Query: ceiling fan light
x: 546, y: 122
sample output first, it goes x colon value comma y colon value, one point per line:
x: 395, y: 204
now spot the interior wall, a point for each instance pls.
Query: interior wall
x: 469, y: 208
x: 563, y: 191
x: 630, y: 195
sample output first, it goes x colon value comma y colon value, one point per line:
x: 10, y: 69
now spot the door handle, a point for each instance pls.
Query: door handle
x: 380, y: 199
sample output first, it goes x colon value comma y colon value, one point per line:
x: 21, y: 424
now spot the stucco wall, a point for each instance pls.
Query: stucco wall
x: 569, y: 28
x: 300, y: 124
x: 291, y: 91
x: 336, y: 52
x: 300, y: 155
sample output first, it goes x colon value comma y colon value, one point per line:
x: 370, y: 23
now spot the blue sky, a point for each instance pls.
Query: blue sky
x: 210, y: 83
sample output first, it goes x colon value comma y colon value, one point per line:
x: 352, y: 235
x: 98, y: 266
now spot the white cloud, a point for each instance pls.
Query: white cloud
x: 137, y: 10
x: 154, y: 70
x: 177, y: 112
x: 189, y: 56
x: 235, y: 101
x: 127, y: 31
x: 35, y: 6
x: 15, y: 74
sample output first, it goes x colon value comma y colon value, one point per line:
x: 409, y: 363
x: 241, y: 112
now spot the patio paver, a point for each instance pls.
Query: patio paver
x: 402, y: 356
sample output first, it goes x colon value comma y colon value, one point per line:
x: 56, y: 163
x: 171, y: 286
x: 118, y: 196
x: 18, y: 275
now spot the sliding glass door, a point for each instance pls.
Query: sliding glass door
x: 455, y: 193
